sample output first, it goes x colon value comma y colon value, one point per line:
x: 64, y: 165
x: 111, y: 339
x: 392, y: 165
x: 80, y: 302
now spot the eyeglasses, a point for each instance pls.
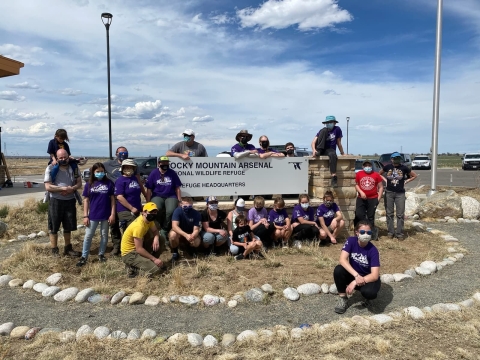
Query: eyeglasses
x: 363, y: 232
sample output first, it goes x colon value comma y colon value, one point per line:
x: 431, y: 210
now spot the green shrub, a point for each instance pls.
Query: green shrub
x: 4, y: 211
x: 42, y: 208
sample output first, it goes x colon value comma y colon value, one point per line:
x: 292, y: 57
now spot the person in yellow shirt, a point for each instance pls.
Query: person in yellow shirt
x: 142, y: 245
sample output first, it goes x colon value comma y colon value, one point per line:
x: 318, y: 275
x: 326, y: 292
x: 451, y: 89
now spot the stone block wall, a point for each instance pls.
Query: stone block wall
x: 319, y: 178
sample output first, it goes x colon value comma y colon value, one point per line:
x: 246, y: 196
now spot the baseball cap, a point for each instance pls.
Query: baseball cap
x: 189, y: 132
x: 150, y: 206
x: 211, y: 198
x: 395, y: 154
x: 163, y: 158
x: 367, y: 162
x: 241, y: 204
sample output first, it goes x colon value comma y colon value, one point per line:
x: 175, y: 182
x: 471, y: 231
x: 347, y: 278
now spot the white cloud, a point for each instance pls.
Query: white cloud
x: 14, y: 114
x: 238, y: 126
x: 222, y: 19
x: 70, y: 92
x: 330, y: 92
x: 200, y: 119
x: 28, y: 55
x: 11, y: 96
x: 37, y: 129
x: 307, y: 14
x: 24, y: 85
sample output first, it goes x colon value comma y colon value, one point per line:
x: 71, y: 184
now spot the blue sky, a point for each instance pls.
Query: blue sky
x: 276, y: 67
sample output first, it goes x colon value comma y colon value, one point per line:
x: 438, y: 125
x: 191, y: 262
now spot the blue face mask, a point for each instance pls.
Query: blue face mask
x: 368, y: 169
x: 330, y: 126
x: 186, y: 138
x: 99, y: 175
x: 187, y: 208
x: 122, y: 155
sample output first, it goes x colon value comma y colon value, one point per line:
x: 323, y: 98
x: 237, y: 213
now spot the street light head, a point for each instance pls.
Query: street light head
x: 348, y: 118
x: 107, y: 18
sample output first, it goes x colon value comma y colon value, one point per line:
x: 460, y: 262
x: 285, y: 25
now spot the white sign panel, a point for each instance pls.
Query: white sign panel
x: 222, y: 176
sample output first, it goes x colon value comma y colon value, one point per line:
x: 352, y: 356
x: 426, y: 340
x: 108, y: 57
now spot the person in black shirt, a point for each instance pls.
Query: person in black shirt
x: 214, y: 233
x: 244, y: 238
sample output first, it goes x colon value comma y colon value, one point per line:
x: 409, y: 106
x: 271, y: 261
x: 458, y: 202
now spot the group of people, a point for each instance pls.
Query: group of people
x: 112, y: 200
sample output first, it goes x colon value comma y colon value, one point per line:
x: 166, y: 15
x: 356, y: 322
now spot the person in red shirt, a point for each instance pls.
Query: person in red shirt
x: 369, y: 186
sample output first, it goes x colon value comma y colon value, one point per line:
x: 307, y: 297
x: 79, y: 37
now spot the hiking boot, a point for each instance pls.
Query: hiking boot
x: 239, y: 257
x: 55, y: 251
x: 175, y: 257
x: 102, y: 258
x: 115, y: 250
x: 132, y: 272
x: 81, y: 262
x: 342, y: 305
x: 334, y: 181
x: 68, y: 251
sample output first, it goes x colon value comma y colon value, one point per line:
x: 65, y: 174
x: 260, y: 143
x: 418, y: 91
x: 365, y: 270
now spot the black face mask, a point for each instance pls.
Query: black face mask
x: 289, y: 151
x: 62, y: 162
x: 244, y: 141
x: 164, y: 167
x: 264, y: 144
x: 151, y: 217
x: 259, y: 208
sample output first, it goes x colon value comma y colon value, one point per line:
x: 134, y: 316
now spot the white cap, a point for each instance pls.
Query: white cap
x: 189, y: 132
x: 240, y: 203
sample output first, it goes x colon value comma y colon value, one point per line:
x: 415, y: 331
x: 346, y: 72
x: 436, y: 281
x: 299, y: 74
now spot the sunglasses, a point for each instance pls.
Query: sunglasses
x: 363, y: 232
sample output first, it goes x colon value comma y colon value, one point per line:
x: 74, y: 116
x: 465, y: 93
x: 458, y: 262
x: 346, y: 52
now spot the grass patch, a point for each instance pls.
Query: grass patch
x: 4, y: 211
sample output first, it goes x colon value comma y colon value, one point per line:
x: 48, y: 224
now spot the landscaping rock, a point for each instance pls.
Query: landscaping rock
x: 387, y: 278
x: 419, y: 227
x: 449, y: 238
x: 238, y: 298
x: 325, y: 288
x: 296, y: 333
x: 210, y: 341
x: 30, y: 334
x: 210, y: 300
x: 4, y: 280
x: 360, y: 320
x: 3, y: 228
x: 451, y: 250
x: 267, y: 288
x: 461, y: 220
x: 412, y: 202
x: 476, y: 296
x: 54, y: 279
x: 67, y: 337
x: 222, y: 300
x: 50, y: 291
x: 445, y: 307
x: 401, y: 277
x: 441, y: 220
x: 19, y: 332
x: 152, y: 300
x: 194, y: 339
x: 165, y: 300
x: 22, y: 238
x: 83, y: 330
x: 381, y: 318
x: 149, y: 334
x: 427, y: 309
x: 15, y: 283
x: 117, y: 297
x: 39, y: 287
x: 125, y: 300
x: 410, y: 272
x: 430, y: 265
x: 189, y: 300
x: 175, y: 338
x: 414, y: 312
x: 333, y: 289
x: 95, y: 299
x: 309, y: 289
x: 228, y: 340
x: 466, y: 303
x: 451, y: 221
x: 42, y: 234
x: 441, y: 204
x: 265, y: 333
x: 451, y: 258
x: 255, y: 295
x: 29, y: 284
x: 247, y: 334
x: 423, y: 271
x: 83, y: 295
x: 395, y: 314
x: 458, y: 256
x: 134, y: 334
x: 232, y: 303
x: 117, y: 335
x: 49, y: 330
x: 66, y: 295
x: 282, y: 334
x: 471, y: 208
x: 31, y: 236
x: 415, y: 217
x: 101, y: 332
x: 439, y: 266
x: 136, y: 298
x: 291, y: 294
x: 174, y: 298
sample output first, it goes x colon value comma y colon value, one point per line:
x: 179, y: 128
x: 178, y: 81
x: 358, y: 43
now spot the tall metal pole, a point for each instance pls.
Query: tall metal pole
x: 348, y: 120
x: 436, y: 98
x: 107, y: 26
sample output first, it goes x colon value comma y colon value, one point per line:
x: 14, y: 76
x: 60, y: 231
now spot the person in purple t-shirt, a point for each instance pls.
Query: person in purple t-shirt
x: 258, y: 222
x: 264, y: 151
x: 98, y: 209
x: 330, y: 218
x: 128, y: 193
x: 326, y: 142
x: 243, y: 148
x: 304, y: 226
x: 359, y: 268
x: 279, y: 218
x: 163, y: 189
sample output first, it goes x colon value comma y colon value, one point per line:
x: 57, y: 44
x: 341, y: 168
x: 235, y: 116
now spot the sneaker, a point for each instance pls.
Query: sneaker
x: 342, y: 305
x: 102, y: 258
x: 400, y: 237
x: 82, y: 262
x: 285, y: 244
x: 239, y: 257
x: 390, y: 236
x: 334, y: 181
x: 297, y: 244
x: 132, y: 272
x: 55, y: 251
x: 68, y: 251
x: 175, y: 257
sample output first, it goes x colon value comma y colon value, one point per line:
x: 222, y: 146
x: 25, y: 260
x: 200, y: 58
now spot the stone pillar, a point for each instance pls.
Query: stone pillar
x: 345, y: 194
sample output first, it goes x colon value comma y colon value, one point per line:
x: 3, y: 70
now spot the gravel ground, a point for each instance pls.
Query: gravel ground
x: 452, y: 284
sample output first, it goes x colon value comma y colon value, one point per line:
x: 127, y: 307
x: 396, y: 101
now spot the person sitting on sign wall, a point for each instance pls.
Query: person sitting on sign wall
x: 279, y: 218
x: 163, y: 189
x: 258, y: 221
x: 304, y: 226
x: 330, y: 218
x: 188, y: 147
x: 213, y: 233
x: 243, y: 148
x: 290, y: 149
x: 264, y: 151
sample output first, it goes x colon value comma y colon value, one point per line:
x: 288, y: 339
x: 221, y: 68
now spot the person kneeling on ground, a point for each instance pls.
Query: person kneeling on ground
x: 359, y: 268
x: 279, y: 218
x: 304, y: 226
x: 186, y: 225
x: 213, y: 233
x: 330, y: 218
x: 243, y: 238
x: 141, y: 243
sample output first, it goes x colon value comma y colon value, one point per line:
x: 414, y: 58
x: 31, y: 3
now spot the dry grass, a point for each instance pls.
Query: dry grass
x: 453, y: 335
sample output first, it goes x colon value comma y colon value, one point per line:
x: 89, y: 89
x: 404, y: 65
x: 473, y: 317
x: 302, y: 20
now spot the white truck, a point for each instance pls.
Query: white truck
x: 471, y: 161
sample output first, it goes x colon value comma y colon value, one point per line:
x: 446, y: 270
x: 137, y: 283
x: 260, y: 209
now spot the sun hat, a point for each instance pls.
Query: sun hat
x: 163, y: 158
x: 127, y: 162
x: 244, y: 133
x: 189, y: 132
x: 330, y: 118
x: 241, y: 204
x: 149, y: 206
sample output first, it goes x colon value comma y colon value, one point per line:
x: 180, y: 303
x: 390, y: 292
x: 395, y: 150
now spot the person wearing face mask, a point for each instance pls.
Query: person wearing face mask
x: 359, y: 268
x: 163, y: 188
x: 113, y: 170
x: 369, y: 186
x: 258, y: 221
x: 278, y: 217
x: 243, y: 148
x: 61, y: 188
x: 186, y: 226
x: 128, y: 194
x: 304, y: 226
x: 213, y: 232
x: 142, y: 244
x: 264, y: 151
x: 397, y: 176
x: 98, y: 209
x: 188, y: 147
x: 290, y: 150
x: 232, y: 215
x: 330, y: 218
x: 326, y: 142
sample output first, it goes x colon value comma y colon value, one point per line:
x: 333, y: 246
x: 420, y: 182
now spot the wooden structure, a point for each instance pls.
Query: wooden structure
x: 9, y: 67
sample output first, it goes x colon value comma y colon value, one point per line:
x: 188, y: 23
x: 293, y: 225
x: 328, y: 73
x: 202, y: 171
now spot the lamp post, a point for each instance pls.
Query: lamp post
x: 107, y: 20
x: 348, y: 120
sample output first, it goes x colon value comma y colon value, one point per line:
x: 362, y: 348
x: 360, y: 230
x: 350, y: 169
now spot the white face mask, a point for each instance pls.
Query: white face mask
x: 365, y: 238
x: 304, y: 205
x: 213, y: 206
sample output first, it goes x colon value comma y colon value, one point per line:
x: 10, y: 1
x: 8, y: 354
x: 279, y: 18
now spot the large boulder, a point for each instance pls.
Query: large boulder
x: 441, y: 204
x: 471, y: 208
x: 412, y: 202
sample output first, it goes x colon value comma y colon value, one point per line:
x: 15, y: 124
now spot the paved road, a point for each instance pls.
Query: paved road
x: 447, y: 177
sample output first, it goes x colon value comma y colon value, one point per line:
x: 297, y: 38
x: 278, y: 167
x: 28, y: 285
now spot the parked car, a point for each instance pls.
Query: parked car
x: 375, y: 165
x: 86, y: 174
x: 145, y: 166
x: 421, y: 162
x: 471, y: 161
x: 386, y: 159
